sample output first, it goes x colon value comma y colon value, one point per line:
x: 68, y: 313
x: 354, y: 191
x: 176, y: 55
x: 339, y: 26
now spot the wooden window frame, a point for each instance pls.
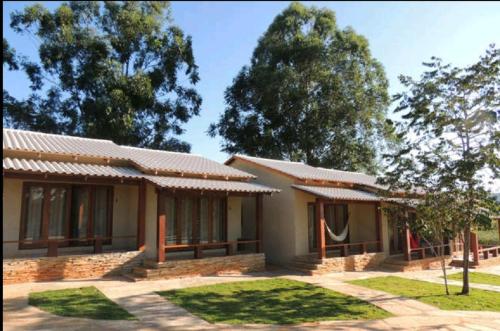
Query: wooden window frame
x: 45, y: 217
x: 179, y: 199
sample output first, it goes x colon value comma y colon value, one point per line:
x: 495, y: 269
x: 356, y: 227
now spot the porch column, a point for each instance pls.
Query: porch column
x: 259, y: 201
x: 161, y: 228
x: 474, y: 245
x: 320, y: 228
x: 378, y: 224
x: 141, y: 216
x: 498, y: 221
x: 406, y: 248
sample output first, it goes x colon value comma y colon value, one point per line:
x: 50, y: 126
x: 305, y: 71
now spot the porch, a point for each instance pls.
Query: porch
x: 344, y: 230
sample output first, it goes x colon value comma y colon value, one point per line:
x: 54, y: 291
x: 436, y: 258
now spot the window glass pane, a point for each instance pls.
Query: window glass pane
x: 57, y: 212
x: 330, y: 221
x: 204, y: 220
x: 171, y: 222
x: 218, y: 219
x: 34, y: 207
x: 187, y: 221
x: 340, y: 220
x: 79, y: 212
x: 101, y: 211
x: 311, y: 225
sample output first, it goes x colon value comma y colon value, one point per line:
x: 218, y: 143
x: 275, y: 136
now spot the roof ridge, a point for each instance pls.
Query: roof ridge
x: 267, y: 159
x: 163, y: 151
x: 59, y: 135
x: 351, y: 172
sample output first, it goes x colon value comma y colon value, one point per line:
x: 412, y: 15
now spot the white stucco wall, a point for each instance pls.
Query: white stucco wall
x: 151, y: 215
x: 278, y: 213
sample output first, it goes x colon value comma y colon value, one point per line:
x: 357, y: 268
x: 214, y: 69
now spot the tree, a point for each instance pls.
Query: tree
x: 433, y: 223
x: 106, y: 70
x: 450, y: 132
x: 312, y: 93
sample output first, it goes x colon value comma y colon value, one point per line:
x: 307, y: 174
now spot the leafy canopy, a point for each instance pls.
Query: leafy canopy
x: 450, y: 135
x: 312, y: 93
x: 106, y: 70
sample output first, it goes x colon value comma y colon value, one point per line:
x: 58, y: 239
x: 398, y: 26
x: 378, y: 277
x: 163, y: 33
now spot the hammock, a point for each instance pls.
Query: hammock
x: 341, y: 236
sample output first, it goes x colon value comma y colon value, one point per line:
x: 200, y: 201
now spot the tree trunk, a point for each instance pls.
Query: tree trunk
x: 465, y: 286
x: 443, y: 267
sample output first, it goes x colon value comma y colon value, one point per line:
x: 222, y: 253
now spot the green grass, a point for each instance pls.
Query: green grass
x: 273, y: 301
x: 85, y: 302
x: 433, y: 294
x: 479, y: 278
x: 489, y: 237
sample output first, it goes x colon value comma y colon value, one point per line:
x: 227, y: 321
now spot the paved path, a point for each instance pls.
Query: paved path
x: 155, y: 313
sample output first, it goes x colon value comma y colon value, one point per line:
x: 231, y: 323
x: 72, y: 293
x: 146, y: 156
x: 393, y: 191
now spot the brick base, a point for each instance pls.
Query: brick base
x: 71, y: 266
x: 350, y: 263
x: 234, y: 264
x: 398, y: 264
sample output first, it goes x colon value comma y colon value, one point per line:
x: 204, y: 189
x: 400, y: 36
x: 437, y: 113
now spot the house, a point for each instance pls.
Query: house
x: 318, y: 205
x: 77, y: 207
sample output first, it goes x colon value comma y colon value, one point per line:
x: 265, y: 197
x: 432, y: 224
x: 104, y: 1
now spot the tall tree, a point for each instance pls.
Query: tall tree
x: 312, y: 93
x: 451, y: 138
x: 106, y: 70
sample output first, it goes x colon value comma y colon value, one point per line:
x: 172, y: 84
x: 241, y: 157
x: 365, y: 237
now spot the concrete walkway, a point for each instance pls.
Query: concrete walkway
x: 156, y: 313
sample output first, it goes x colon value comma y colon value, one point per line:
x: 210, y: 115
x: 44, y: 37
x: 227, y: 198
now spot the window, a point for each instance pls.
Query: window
x: 311, y: 215
x: 195, y: 220
x: 60, y: 211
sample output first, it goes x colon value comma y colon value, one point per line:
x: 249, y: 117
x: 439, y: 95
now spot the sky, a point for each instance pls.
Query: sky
x: 402, y: 35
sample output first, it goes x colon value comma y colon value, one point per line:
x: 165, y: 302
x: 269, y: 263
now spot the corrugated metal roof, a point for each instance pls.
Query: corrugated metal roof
x: 210, y: 185
x: 20, y: 140
x: 180, y: 162
x: 68, y: 168
x: 151, y: 160
x: 306, y: 172
x: 94, y: 170
x: 338, y: 193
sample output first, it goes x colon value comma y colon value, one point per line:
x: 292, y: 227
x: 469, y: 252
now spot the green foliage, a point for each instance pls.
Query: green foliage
x: 450, y: 133
x: 271, y: 301
x: 85, y: 302
x: 312, y: 93
x: 431, y: 293
x: 106, y: 70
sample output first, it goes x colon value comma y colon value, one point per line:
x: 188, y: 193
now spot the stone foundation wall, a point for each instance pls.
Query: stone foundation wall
x: 24, y: 270
x: 234, y: 264
x: 350, y: 263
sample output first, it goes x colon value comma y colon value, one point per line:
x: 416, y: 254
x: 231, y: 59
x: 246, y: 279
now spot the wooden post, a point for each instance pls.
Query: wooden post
x: 97, y: 245
x: 320, y: 228
x: 406, y: 248
x: 161, y: 228
x: 498, y: 228
x: 474, y: 245
x: 141, y: 216
x: 52, y: 248
x: 378, y: 222
x: 259, y: 201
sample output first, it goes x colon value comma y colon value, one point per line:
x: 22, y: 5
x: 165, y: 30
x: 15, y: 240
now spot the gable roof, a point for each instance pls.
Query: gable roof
x: 301, y: 171
x: 183, y: 163
x: 338, y: 193
x: 148, y: 160
x: 31, y: 141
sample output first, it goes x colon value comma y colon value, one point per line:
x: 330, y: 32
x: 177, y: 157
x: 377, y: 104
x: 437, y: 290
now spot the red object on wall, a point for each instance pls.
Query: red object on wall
x: 413, y: 242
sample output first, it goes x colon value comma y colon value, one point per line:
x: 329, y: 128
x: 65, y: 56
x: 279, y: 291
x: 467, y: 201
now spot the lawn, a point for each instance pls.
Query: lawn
x: 433, y: 294
x: 478, y: 277
x: 272, y: 301
x: 85, y: 302
x: 489, y: 237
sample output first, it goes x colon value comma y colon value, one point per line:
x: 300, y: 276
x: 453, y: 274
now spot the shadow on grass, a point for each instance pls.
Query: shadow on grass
x: 84, y: 302
x: 271, y: 302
